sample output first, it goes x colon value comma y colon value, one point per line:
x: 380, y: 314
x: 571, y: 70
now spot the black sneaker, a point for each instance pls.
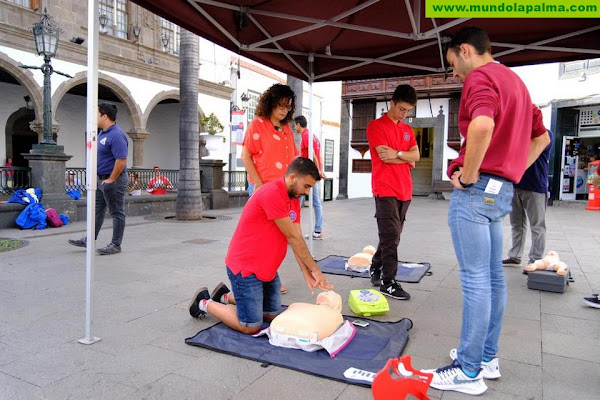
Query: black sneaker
x: 201, y: 294
x: 394, y: 290
x: 109, y: 249
x: 593, y: 301
x: 79, y: 242
x: 511, y: 261
x: 218, y: 292
x: 375, y: 277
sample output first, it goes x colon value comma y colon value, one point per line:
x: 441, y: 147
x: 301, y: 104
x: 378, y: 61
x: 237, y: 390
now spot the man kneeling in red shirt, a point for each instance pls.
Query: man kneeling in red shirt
x: 270, y: 220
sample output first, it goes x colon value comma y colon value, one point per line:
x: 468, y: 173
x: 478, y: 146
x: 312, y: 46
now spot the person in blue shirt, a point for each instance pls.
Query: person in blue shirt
x: 112, y: 178
x: 529, y: 203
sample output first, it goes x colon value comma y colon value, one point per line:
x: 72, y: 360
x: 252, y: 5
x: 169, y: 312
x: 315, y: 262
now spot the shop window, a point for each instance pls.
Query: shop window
x: 252, y: 103
x: 173, y: 33
x: 361, y: 166
x: 116, y: 12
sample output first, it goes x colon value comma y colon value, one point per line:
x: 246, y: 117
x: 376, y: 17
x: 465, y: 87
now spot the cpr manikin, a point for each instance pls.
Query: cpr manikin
x: 361, y: 262
x: 551, y: 262
x: 312, y: 327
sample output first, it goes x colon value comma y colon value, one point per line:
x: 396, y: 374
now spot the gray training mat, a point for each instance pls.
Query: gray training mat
x: 408, y: 272
x: 369, y: 350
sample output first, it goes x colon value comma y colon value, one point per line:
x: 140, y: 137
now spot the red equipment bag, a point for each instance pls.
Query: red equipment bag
x: 53, y: 218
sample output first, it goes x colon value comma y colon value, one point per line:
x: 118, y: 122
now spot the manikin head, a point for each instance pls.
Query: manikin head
x: 330, y: 299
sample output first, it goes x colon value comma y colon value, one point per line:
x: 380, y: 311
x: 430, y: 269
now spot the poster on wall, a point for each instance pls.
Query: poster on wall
x: 238, y: 126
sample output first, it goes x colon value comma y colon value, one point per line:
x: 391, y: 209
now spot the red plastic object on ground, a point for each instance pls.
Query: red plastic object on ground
x: 397, y: 379
x: 594, y: 193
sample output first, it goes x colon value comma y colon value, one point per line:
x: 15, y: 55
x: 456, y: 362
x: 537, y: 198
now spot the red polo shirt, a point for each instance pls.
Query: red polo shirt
x: 258, y: 247
x: 272, y: 151
x: 495, y: 91
x: 316, y: 147
x: 390, y: 180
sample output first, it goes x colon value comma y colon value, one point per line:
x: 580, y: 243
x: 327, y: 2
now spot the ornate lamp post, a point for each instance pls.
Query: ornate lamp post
x: 46, y: 34
x: 47, y: 159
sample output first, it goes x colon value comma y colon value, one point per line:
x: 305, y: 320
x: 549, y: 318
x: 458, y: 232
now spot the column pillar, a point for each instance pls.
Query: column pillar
x: 344, y: 148
x: 47, y: 162
x: 138, y: 136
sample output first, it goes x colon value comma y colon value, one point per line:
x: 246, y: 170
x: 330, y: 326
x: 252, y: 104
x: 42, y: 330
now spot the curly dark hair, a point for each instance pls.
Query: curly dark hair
x: 271, y: 99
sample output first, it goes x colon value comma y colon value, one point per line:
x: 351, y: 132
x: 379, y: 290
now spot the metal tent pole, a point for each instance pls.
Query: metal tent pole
x: 91, y: 167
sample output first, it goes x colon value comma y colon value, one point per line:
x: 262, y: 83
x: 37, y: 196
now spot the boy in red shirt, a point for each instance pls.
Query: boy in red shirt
x: 394, y: 151
x: 270, y: 220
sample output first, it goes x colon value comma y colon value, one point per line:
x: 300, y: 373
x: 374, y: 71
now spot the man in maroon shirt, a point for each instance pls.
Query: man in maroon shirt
x: 503, y: 135
x: 270, y: 220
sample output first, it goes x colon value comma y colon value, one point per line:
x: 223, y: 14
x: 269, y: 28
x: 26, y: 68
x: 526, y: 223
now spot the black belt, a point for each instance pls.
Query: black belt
x: 103, y: 176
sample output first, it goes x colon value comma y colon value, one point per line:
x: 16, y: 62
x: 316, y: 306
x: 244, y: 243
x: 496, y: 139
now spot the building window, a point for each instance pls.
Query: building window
x: 173, y: 32
x: 31, y: 4
x: 24, y: 3
x: 328, y: 167
x: 361, y: 166
x: 578, y: 69
x: 118, y: 26
x: 252, y: 103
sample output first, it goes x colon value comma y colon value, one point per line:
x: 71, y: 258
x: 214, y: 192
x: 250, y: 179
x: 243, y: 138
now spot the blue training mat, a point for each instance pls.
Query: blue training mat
x: 369, y: 350
x: 335, y: 265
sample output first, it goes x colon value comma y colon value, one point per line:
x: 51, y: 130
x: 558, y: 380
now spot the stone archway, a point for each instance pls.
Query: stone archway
x: 26, y: 79
x: 19, y: 136
x: 158, y: 98
x: 105, y: 80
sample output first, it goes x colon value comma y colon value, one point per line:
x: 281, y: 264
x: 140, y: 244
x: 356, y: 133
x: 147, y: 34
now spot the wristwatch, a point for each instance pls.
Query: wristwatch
x: 399, y: 154
x: 464, y: 185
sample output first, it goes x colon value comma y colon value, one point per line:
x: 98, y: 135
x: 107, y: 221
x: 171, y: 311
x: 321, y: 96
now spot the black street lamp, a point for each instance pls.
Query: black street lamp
x: 46, y: 34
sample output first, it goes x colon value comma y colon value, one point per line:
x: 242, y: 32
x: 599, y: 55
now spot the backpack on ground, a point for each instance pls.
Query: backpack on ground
x: 53, y: 218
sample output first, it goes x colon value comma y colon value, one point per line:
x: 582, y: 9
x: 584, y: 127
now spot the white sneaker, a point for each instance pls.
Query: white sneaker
x: 452, y: 377
x: 491, y: 369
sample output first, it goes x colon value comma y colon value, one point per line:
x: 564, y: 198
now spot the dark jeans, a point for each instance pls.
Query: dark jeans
x: 390, y: 213
x: 113, y: 196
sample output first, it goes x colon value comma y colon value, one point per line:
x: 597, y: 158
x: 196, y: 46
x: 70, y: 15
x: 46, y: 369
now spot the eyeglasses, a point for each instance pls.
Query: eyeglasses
x: 404, y: 110
x: 284, y: 107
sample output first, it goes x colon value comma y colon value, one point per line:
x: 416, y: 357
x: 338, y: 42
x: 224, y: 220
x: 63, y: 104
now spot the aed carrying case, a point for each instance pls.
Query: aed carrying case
x: 548, y: 281
x: 367, y: 302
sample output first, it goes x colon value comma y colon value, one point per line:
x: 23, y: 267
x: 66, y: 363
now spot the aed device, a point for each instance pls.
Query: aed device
x: 367, y: 302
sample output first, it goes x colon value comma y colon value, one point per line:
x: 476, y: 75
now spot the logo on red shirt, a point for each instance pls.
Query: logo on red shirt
x: 293, y: 215
x: 407, y: 136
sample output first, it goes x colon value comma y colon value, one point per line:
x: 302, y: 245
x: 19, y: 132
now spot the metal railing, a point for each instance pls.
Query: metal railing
x: 75, y: 178
x: 14, y: 178
x: 235, y: 181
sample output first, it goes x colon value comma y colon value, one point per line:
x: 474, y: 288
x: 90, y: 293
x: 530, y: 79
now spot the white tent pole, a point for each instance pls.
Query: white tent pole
x: 311, y: 151
x: 91, y: 167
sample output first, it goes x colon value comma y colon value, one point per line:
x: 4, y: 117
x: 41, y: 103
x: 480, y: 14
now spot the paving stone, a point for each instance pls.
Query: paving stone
x: 141, y: 297
x: 567, y: 378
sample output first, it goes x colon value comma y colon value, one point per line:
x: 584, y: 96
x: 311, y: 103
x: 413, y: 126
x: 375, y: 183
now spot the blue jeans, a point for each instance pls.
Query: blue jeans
x: 475, y: 221
x: 317, y: 207
x: 255, y: 298
x: 250, y: 189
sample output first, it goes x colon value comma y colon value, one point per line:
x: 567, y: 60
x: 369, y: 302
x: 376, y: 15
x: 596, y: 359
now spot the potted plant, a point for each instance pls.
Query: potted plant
x: 212, y: 126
